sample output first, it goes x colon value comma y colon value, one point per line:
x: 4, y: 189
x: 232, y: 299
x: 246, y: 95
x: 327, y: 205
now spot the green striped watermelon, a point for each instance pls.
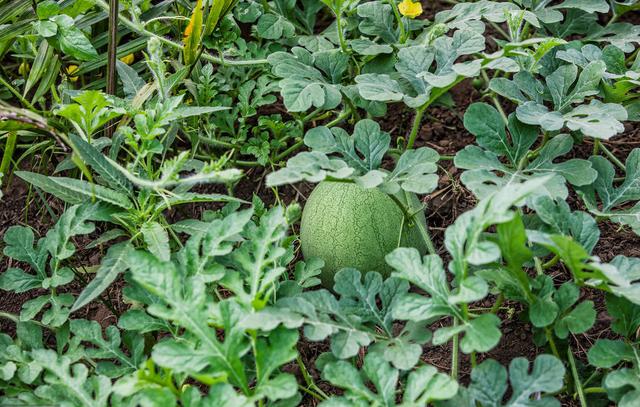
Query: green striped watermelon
x: 349, y: 226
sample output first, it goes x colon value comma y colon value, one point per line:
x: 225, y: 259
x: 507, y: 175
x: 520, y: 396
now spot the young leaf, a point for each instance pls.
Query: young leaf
x: 611, y: 197
x: 95, y: 159
x: 157, y: 240
x: 484, y: 167
x: 560, y: 220
x: 131, y: 81
x: 112, y: 264
x: 489, y: 383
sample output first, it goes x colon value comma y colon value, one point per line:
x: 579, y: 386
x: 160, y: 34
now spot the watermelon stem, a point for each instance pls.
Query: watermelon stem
x: 412, y: 219
x: 455, y: 361
x: 417, y: 119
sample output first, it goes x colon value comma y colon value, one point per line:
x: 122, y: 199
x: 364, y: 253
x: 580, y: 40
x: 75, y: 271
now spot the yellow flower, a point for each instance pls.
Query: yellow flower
x: 24, y: 68
x: 71, y: 70
x: 410, y: 9
x: 128, y: 59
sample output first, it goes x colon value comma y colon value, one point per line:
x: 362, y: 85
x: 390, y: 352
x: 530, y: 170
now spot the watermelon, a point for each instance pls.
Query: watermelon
x: 349, y: 226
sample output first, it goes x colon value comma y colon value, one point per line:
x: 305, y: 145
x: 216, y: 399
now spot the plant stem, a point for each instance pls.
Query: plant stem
x: 17, y: 94
x: 500, y: 30
x: 538, y: 265
x: 552, y: 343
x: 454, y: 353
x: 219, y: 143
x: 319, y: 394
x: 415, y: 127
x: 138, y: 29
x: 591, y: 390
x: 311, y: 392
x: 425, y: 236
x: 396, y: 13
x: 576, y: 378
x: 496, y: 305
x: 424, y: 233
x: 500, y: 109
x: 7, y: 155
x: 551, y: 262
x: 311, y: 115
x: 288, y: 151
x: 612, y: 157
x: 111, y: 58
x: 338, y: 119
x: 16, y: 319
x: 343, y: 44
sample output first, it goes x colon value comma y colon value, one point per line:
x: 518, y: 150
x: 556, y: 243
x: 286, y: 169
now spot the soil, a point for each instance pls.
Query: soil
x: 441, y: 130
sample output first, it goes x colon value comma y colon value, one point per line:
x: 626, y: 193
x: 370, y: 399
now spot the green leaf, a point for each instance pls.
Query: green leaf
x: 90, y: 112
x: 69, y: 382
x: 95, y: 159
x: 304, y: 85
x: 367, y: 140
x: 273, y: 27
x: 484, y: 122
x: 183, y: 300
x: 426, y: 384
x: 47, y: 9
x: 18, y: 281
x: 484, y: 168
x: 379, y: 87
x: 481, y: 334
x: 623, y: 274
x: 417, y: 80
x: 365, y: 46
x: 625, y: 314
x: 112, y: 264
x: 568, y: 91
x: 131, y: 81
x: 346, y: 376
x: 19, y: 242
x: 589, y: 6
x: 157, y: 240
x: 606, y: 353
x: 139, y: 321
x: 273, y: 351
x: 558, y: 217
x: 577, y: 321
x: 256, y: 264
x: 622, y: 35
x: 414, y: 172
x: 73, y: 222
x: 377, y: 21
x: 489, y: 383
x: 75, y: 191
x: 108, y: 350
x: 41, y: 64
x: 32, y: 307
x: 72, y: 41
x: 462, y: 238
x: 611, y: 197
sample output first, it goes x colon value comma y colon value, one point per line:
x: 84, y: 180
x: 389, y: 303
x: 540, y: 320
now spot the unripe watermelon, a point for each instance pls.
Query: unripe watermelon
x: 349, y: 226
